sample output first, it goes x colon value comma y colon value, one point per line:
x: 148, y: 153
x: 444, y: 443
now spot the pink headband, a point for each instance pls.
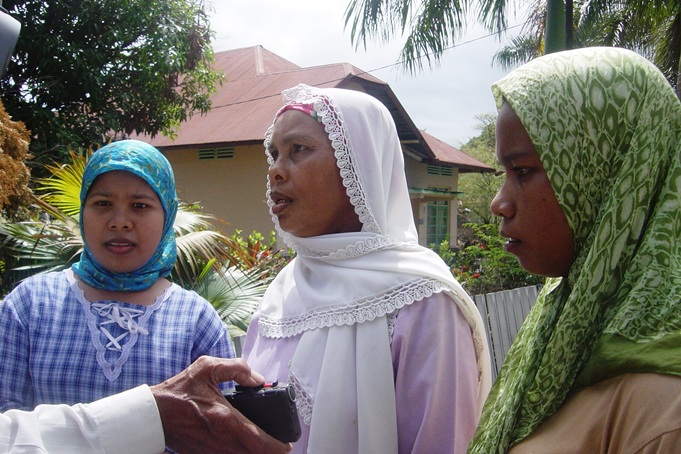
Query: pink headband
x: 304, y: 108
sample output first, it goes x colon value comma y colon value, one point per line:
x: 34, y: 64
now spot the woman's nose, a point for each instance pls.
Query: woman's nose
x: 501, y: 205
x: 120, y: 220
x: 276, y: 171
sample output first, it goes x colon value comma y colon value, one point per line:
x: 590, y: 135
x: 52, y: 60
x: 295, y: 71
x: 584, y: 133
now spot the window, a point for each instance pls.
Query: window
x: 216, y: 153
x: 438, y: 222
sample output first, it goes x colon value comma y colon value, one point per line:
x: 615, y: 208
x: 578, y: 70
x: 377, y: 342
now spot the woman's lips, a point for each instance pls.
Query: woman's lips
x: 281, y: 202
x: 119, y: 246
x: 511, y: 245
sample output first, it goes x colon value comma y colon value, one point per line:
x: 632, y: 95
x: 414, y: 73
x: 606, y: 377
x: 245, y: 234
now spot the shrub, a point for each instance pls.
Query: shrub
x: 480, y: 263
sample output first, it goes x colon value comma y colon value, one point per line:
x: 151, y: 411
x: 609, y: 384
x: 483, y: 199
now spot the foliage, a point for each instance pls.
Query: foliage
x: 261, y: 252
x: 14, y: 174
x: 432, y: 25
x: 84, y: 70
x: 478, y: 189
x: 652, y: 29
x: 480, y: 263
x: 234, y: 293
x: 63, y: 190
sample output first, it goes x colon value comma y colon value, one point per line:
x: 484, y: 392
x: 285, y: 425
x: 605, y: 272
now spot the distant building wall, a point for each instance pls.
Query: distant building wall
x: 423, y: 180
x: 231, y: 186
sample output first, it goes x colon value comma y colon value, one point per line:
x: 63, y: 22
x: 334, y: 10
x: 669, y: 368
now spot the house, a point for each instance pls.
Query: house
x: 219, y: 159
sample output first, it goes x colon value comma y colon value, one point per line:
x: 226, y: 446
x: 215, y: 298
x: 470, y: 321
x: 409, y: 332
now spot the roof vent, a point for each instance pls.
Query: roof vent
x: 440, y: 170
x: 216, y: 153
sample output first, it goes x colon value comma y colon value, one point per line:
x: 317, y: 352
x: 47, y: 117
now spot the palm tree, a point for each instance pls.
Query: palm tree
x: 650, y: 27
x: 653, y: 29
x: 431, y: 25
x: 228, y: 273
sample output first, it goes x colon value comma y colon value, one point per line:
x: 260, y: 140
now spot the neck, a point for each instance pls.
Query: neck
x: 145, y: 297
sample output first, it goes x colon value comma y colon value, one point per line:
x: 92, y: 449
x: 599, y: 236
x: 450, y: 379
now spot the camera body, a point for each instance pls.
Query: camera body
x: 271, y: 407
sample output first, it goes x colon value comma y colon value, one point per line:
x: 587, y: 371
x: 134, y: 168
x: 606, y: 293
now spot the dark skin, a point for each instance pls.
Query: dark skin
x: 197, y: 418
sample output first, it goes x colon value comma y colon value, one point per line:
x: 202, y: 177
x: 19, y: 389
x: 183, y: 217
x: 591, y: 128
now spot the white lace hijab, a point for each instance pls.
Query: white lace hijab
x: 340, y: 287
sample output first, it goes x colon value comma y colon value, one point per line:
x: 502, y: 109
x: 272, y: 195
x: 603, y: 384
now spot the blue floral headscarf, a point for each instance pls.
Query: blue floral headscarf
x: 148, y: 163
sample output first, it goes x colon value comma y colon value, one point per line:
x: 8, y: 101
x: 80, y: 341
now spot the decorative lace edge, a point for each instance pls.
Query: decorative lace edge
x: 334, y: 125
x: 304, y: 402
x: 112, y: 371
x: 362, y: 247
x: 358, y: 311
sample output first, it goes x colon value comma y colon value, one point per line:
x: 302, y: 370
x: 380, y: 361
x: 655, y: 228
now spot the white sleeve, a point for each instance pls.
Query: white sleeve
x: 123, y: 423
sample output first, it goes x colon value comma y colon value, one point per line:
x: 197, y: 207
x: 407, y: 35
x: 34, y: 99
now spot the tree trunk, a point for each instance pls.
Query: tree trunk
x: 555, y: 26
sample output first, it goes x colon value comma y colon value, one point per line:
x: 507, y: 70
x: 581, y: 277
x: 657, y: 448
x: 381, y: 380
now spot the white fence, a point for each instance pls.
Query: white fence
x: 503, y: 313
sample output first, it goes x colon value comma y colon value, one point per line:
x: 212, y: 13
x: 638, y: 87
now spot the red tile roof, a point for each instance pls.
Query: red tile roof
x: 447, y: 153
x: 244, y: 107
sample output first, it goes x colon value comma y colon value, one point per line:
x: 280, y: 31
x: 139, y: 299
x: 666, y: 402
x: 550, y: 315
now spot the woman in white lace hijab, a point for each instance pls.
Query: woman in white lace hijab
x: 385, y: 349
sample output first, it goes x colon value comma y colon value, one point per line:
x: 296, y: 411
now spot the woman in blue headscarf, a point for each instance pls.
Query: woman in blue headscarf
x: 112, y: 321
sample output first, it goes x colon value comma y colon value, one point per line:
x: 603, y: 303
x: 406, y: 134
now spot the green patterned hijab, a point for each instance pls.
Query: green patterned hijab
x: 607, y: 127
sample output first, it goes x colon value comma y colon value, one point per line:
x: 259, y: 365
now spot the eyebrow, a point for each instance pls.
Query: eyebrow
x: 514, y: 155
x: 152, y: 195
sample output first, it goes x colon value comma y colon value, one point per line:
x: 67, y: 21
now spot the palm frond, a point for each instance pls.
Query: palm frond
x: 62, y: 189
x: 522, y: 49
x: 235, y: 294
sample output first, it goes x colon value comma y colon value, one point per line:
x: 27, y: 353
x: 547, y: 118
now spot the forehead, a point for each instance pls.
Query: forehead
x: 120, y: 181
x: 512, y: 139
x: 293, y: 124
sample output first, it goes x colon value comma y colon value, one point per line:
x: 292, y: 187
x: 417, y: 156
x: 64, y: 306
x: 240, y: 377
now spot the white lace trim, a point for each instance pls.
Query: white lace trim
x: 304, y: 402
x: 121, y: 316
x: 333, y: 121
x: 392, y: 319
x: 372, y: 244
x: 359, y: 311
x: 131, y: 320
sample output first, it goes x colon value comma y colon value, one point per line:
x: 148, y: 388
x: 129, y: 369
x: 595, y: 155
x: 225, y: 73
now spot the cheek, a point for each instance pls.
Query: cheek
x: 156, y: 227
x: 89, y: 222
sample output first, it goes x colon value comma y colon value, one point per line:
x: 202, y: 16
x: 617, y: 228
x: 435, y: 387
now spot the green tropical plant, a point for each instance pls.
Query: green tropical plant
x: 478, y: 189
x: 261, y: 253
x: 651, y: 28
x: 234, y: 293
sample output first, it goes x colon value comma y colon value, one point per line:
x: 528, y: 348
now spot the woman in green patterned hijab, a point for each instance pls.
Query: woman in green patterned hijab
x: 604, y: 129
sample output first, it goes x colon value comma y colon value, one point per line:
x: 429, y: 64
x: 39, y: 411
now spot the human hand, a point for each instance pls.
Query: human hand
x: 197, y: 418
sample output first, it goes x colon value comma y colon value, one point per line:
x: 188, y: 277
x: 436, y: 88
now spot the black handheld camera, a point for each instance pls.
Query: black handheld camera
x: 271, y: 407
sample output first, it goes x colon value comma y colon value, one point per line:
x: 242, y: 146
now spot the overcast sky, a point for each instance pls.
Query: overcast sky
x: 444, y: 101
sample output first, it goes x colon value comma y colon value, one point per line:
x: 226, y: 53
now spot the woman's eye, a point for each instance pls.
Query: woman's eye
x: 139, y: 205
x: 299, y: 147
x: 274, y: 154
x: 521, y: 171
